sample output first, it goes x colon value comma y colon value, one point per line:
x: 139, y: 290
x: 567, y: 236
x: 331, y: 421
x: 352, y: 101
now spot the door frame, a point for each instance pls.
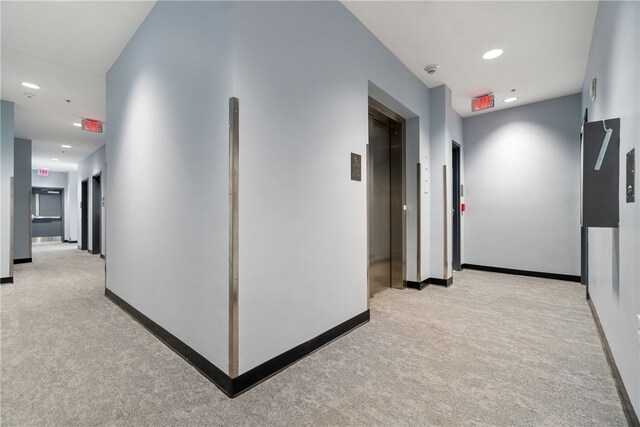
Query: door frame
x: 62, y: 210
x: 95, y: 204
x: 456, y: 226
x: 380, y: 112
x: 84, y: 214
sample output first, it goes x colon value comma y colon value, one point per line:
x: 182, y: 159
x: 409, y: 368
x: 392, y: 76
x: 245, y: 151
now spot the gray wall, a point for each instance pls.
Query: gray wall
x: 614, y: 276
x: 71, y: 205
x: 94, y: 164
x: 302, y: 73
x: 54, y: 179
x: 22, y: 199
x: 167, y: 151
x: 6, y: 172
x: 522, y: 170
x: 446, y: 126
x: 303, y: 89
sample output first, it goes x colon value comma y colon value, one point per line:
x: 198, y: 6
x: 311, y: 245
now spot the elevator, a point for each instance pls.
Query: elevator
x: 385, y: 190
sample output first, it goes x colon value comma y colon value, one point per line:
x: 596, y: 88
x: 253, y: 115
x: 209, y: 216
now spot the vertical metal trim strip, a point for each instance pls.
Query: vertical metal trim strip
x: 233, y: 235
x: 418, y: 224
x: 368, y: 216
x: 446, y: 225
x: 30, y: 227
x: 11, y: 224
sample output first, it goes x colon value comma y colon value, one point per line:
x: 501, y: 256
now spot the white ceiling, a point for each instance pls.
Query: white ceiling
x: 66, y: 48
x: 545, y: 43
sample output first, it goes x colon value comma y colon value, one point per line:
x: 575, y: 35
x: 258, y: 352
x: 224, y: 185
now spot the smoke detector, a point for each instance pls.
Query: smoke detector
x: 30, y: 95
x: 431, y: 68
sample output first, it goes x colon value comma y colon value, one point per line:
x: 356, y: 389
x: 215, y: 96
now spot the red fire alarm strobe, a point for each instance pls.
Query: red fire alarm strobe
x: 462, y: 207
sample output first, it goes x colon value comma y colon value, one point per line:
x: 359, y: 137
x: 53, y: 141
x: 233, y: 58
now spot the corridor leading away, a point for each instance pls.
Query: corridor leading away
x: 492, y: 349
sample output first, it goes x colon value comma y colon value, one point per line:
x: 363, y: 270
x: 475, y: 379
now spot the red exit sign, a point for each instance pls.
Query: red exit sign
x: 43, y: 172
x: 92, y: 125
x: 483, y: 102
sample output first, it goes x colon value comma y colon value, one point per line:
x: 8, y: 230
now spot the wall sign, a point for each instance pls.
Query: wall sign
x: 483, y: 102
x: 43, y: 172
x: 92, y: 125
x: 356, y: 167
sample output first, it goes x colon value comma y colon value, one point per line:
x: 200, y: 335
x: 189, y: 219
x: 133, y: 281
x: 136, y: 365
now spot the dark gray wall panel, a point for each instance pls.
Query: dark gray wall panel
x: 22, y: 195
x: 600, y: 188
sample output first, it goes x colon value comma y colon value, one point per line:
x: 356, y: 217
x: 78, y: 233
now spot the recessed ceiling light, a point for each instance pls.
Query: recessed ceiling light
x: 30, y: 85
x: 493, y: 53
x: 66, y: 146
x: 78, y: 124
x: 55, y: 160
x: 513, y: 98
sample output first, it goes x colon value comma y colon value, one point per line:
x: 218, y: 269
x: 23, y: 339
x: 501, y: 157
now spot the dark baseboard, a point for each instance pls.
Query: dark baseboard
x: 540, y: 274
x: 430, y: 281
x: 271, y: 367
x: 4, y: 280
x: 102, y: 256
x: 418, y: 285
x: 22, y: 260
x: 627, y: 407
x: 441, y: 282
x: 70, y: 241
x: 233, y: 387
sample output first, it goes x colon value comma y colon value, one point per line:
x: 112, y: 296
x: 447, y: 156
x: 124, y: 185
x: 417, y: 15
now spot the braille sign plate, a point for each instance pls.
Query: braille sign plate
x: 356, y: 167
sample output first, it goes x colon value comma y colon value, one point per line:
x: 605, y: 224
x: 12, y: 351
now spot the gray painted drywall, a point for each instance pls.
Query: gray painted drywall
x: 445, y: 127
x: 302, y: 73
x: 522, y: 192
x: 71, y: 207
x: 303, y: 92
x: 92, y: 165
x: 167, y: 151
x: 54, y: 179
x: 614, y: 276
x: 6, y: 173
x: 22, y: 199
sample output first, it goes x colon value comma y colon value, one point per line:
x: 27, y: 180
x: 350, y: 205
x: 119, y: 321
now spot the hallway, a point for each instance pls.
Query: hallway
x: 492, y: 349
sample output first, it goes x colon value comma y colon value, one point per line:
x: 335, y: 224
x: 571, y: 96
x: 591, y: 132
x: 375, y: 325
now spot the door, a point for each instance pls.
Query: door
x: 96, y: 225
x: 47, y: 222
x: 455, y: 200
x: 84, y: 212
x: 385, y: 203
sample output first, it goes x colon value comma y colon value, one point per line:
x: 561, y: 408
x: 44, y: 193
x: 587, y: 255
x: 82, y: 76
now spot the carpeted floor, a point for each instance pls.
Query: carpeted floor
x: 492, y: 349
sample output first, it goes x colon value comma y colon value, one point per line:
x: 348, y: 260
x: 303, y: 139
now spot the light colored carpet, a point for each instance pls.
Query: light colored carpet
x: 492, y: 349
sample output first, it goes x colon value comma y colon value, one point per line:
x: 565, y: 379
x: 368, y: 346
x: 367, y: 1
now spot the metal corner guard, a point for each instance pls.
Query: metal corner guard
x: 233, y: 235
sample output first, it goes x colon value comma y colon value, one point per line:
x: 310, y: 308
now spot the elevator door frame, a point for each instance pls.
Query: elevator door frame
x: 383, y: 114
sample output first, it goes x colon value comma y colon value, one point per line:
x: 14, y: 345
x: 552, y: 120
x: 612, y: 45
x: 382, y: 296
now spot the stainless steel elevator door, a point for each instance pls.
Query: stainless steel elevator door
x: 385, y: 206
x: 379, y: 208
